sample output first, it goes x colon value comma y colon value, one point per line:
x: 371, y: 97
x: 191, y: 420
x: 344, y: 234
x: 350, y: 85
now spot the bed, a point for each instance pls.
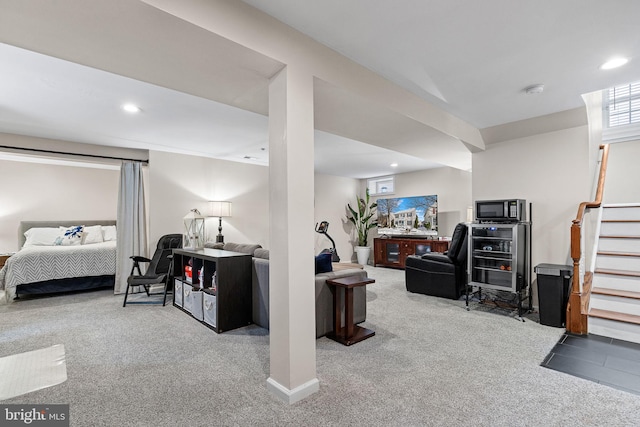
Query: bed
x: 76, y: 259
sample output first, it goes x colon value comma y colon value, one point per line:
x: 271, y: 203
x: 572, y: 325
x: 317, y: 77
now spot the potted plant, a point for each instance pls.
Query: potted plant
x: 363, y: 219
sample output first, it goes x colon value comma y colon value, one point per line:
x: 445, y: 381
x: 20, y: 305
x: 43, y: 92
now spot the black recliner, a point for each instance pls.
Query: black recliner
x: 158, y: 270
x: 440, y: 275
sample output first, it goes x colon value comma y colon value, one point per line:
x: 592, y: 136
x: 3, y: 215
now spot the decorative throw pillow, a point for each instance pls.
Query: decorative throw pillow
x: 41, y: 236
x: 109, y: 233
x: 92, y: 234
x: 323, y: 263
x: 71, y: 236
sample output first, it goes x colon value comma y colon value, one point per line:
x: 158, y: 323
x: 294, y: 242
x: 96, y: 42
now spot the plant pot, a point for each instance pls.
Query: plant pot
x: 363, y: 252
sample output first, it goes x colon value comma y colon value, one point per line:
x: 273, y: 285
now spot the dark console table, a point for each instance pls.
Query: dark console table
x: 393, y: 251
x: 350, y: 333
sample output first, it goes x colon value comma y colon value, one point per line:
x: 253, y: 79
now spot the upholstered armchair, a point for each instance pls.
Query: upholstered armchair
x: 440, y: 275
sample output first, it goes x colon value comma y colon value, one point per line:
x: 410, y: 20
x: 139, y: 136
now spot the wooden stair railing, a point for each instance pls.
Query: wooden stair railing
x: 578, y: 306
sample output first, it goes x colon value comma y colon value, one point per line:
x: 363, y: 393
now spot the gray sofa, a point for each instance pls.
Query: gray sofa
x: 324, y: 297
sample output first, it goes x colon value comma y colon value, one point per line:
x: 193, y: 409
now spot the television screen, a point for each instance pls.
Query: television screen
x: 408, y: 215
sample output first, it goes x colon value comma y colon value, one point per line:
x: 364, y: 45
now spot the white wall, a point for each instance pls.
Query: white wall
x: 623, y: 173
x: 452, y: 186
x: 34, y: 192
x: 179, y: 183
x: 174, y: 183
x: 332, y: 193
x: 549, y: 170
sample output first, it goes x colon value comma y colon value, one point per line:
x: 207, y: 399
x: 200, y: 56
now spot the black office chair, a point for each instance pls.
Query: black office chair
x: 159, y: 270
x: 440, y: 275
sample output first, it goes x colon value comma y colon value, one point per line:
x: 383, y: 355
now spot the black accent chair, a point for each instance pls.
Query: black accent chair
x: 440, y: 275
x: 159, y: 270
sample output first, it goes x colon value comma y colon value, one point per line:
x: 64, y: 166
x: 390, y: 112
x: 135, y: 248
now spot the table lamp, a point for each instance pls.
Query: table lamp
x: 220, y: 209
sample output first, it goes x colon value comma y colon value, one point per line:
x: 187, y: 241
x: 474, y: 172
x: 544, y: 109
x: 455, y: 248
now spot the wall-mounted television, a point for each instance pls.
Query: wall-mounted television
x: 408, y: 216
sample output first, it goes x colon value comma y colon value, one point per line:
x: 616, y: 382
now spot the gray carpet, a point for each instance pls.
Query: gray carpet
x: 431, y: 363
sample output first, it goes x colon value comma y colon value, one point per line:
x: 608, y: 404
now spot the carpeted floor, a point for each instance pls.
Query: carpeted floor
x: 431, y: 363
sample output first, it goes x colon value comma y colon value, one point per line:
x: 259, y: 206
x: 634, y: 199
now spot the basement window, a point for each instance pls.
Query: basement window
x: 622, y: 105
x: 381, y: 185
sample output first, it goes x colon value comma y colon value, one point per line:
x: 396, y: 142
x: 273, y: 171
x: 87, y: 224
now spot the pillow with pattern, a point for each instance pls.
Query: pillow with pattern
x: 71, y: 236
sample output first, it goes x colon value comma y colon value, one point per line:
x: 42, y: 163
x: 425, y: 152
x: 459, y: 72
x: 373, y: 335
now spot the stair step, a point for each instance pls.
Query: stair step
x: 622, y: 212
x: 612, y: 315
x: 614, y: 329
x: 628, y: 261
x: 616, y: 253
x: 616, y: 293
x: 618, y: 272
x: 619, y: 244
x: 620, y: 227
x: 623, y: 283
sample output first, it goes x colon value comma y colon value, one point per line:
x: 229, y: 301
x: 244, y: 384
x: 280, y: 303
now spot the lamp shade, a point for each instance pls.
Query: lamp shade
x: 220, y: 209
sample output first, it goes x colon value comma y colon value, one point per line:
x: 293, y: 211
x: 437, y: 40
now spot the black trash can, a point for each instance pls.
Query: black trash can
x: 554, y: 282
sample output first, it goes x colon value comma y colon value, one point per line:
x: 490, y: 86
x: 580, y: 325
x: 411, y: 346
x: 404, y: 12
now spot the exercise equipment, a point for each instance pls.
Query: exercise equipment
x: 322, y: 229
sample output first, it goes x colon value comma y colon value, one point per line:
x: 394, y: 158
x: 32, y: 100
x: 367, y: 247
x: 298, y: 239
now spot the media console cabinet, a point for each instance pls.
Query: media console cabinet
x: 223, y: 304
x: 393, y: 251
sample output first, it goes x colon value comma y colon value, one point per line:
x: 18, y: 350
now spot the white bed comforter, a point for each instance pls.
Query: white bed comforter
x: 38, y: 263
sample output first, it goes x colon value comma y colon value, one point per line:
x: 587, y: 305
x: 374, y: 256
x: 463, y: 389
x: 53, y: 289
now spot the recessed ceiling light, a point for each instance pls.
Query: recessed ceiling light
x: 614, y: 63
x: 394, y: 165
x: 131, y: 108
x: 534, y: 89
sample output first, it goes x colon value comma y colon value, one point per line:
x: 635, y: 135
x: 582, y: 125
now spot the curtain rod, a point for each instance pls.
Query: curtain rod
x: 73, y: 154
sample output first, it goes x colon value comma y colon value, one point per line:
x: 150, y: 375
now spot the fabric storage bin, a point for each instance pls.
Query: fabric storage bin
x: 177, y: 292
x: 209, y: 308
x: 196, y: 303
x: 187, y: 299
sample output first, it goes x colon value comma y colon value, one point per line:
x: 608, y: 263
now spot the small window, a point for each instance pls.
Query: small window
x: 381, y: 185
x: 623, y: 105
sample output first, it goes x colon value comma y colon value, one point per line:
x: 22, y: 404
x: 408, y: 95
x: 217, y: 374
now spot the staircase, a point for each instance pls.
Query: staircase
x: 615, y: 295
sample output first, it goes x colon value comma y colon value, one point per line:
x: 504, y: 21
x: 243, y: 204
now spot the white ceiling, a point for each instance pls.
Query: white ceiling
x: 470, y: 58
x: 474, y: 58
x: 47, y: 97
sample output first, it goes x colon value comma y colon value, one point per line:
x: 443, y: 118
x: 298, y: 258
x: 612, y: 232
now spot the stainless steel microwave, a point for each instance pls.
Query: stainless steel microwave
x: 511, y: 210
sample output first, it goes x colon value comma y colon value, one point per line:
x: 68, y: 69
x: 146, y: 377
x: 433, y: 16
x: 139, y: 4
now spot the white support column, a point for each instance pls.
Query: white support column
x: 291, y: 264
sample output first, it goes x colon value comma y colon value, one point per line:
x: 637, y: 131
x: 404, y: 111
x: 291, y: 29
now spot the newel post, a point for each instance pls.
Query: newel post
x: 576, y: 321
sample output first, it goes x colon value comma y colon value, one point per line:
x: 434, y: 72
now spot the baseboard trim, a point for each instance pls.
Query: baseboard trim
x: 295, y: 395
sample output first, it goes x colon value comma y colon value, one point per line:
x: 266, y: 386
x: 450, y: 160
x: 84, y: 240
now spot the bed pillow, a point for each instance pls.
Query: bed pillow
x: 41, y: 236
x: 109, y: 233
x: 92, y: 234
x: 70, y: 236
x: 323, y: 263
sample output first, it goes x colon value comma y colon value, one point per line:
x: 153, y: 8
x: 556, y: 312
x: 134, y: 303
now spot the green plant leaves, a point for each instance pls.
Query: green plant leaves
x: 364, y: 219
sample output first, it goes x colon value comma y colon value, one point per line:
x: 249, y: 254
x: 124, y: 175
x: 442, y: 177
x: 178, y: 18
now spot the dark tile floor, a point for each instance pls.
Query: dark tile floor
x: 607, y: 361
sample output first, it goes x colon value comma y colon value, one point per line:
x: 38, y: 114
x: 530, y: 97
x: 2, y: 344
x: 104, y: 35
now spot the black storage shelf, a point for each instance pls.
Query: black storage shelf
x: 231, y: 297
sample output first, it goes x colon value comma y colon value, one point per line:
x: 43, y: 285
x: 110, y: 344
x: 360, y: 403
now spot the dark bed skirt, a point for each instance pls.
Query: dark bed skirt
x: 66, y: 285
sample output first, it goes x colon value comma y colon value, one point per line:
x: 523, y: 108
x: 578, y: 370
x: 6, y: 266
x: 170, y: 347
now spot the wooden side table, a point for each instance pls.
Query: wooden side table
x: 4, y: 258
x: 350, y: 333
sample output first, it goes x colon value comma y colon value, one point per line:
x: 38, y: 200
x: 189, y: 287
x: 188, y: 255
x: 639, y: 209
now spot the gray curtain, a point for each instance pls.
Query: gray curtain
x: 132, y: 224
